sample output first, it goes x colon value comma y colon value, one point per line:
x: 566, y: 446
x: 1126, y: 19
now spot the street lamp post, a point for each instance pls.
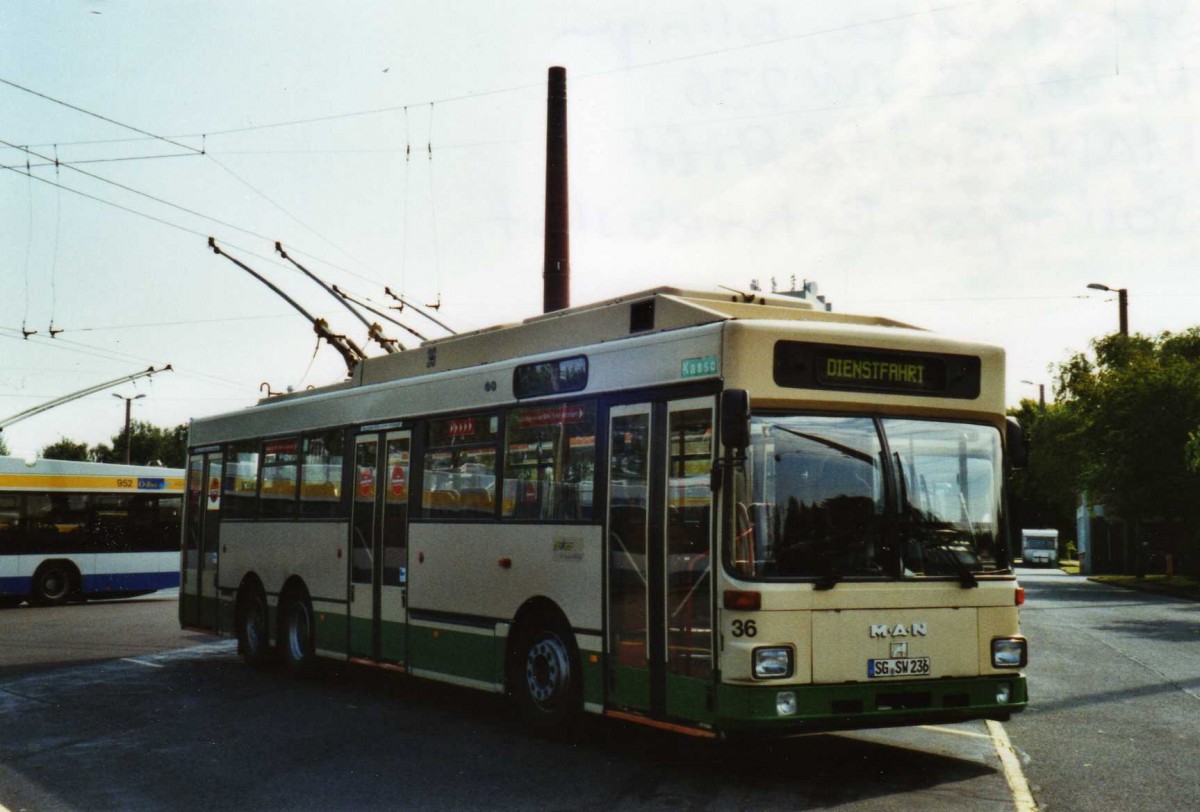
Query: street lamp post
x: 128, y: 404
x: 1122, y: 303
x: 1041, y: 393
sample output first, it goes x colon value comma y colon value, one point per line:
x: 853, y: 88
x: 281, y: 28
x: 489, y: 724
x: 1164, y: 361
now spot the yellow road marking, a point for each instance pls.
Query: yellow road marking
x: 955, y: 731
x: 1011, y: 763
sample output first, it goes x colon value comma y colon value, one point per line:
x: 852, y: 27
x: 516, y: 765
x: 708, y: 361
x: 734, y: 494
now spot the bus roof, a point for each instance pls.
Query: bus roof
x: 616, y: 335
x: 648, y: 311
x: 19, y: 465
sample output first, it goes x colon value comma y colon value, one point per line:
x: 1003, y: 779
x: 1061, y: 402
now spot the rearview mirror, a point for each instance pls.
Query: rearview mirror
x: 1015, y: 443
x: 735, y: 420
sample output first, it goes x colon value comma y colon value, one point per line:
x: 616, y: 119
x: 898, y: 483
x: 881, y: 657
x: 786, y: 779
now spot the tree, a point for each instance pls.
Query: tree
x: 3, y: 447
x: 149, y: 445
x: 1133, y: 412
x: 1046, y: 490
x: 64, y: 449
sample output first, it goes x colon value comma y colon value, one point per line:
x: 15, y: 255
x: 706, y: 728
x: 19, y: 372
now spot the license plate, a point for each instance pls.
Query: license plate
x: 900, y: 667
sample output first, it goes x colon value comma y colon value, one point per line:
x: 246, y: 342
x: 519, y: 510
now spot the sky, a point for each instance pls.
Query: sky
x: 966, y: 167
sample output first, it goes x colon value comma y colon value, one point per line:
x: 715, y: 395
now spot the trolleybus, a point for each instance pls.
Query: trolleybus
x: 82, y: 529
x: 707, y: 512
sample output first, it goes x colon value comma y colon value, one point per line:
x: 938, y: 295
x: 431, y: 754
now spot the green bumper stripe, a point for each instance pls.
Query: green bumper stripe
x: 865, y: 705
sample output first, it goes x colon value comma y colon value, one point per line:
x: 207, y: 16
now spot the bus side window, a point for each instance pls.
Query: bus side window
x: 321, y: 477
x: 459, y: 468
x: 550, y: 462
x: 240, y: 481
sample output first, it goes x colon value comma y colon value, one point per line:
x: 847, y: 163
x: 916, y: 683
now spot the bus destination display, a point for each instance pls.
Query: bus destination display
x: 805, y: 365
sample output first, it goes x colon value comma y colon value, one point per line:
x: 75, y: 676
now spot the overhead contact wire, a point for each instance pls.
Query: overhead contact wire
x: 95, y: 115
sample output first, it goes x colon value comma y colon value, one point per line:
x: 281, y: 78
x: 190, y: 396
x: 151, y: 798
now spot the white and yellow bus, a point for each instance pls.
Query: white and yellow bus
x: 81, y: 529
x: 705, y: 512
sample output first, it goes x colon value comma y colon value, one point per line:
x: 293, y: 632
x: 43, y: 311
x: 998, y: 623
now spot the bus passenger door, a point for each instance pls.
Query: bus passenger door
x: 688, y: 559
x: 660, y: 584
x: 198, y: 605
x: 629, y: 623
x: 379, y: 546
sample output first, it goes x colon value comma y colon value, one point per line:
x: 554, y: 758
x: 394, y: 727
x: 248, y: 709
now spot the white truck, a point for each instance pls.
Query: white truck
x: 1039, y: 547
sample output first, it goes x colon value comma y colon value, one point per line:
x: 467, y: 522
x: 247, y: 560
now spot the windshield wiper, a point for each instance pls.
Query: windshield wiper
x: 829, y: 580
x: 965, y: 576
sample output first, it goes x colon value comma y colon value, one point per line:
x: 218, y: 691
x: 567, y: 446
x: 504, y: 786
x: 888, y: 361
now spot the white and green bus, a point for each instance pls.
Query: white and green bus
x: 708, y: 512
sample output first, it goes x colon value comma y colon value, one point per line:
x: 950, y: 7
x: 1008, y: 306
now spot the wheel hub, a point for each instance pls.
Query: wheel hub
x: 547, y: 670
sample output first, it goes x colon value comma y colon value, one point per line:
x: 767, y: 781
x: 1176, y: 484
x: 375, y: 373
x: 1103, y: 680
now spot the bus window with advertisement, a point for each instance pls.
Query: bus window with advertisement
x: 756, y: 518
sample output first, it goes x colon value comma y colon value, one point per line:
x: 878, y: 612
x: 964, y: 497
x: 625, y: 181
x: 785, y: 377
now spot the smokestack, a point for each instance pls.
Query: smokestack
x: 556, y: 267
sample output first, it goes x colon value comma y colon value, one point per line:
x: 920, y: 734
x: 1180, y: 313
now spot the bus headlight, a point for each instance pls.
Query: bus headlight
x: 1009, y: 652
x: 773, y: 662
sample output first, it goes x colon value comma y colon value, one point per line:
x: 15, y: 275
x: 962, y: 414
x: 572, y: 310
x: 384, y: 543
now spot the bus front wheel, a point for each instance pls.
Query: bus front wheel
x: 546, y: 676
x: 53, y: 583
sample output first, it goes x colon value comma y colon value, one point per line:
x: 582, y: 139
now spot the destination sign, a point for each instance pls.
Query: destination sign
x: 805, y: 365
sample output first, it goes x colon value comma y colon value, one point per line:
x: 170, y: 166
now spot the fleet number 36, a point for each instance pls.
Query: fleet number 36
x: 744, y: 628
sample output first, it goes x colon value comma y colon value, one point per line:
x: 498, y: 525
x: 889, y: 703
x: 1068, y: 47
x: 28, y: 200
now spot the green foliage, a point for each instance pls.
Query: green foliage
x: 65, y: 449
x: 1047, y: 488
x: 149, y: 445
x: 1191, y: 451
x: 1135, y: 412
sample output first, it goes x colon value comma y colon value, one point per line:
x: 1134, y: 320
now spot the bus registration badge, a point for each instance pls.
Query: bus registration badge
x: 899, y: 667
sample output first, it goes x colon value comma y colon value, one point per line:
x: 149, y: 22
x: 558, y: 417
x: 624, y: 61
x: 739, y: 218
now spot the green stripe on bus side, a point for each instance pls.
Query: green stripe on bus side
x: 630, y: 686
x: 460, y: 654
x: 690, y: 698
x: 593, y: 677
x: 330, y: 633
x: 393, y: 642
x: 753, y: 706
x: 360, y: 635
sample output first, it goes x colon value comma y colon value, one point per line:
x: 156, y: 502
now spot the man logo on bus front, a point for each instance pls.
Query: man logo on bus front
x: 899, y: 630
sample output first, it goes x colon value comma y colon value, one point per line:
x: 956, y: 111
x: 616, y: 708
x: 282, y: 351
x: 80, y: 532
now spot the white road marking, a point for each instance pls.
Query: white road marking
x: 139, y: 662
x: 1022, y: 797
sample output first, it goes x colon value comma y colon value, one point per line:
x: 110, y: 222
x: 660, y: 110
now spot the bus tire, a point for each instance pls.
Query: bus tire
x: 253, y: 642
x: 546, y: 675
x: 297, y: 632
x: 53, y: 583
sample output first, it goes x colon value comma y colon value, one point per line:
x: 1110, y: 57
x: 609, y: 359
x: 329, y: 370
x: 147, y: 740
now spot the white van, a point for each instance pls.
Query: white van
x: 1039, y: 547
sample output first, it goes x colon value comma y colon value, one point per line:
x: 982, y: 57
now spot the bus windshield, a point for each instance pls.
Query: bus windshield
x: 833, y: 497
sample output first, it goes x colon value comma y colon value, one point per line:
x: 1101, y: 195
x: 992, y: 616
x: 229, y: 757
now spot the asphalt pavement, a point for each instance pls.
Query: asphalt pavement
x: 1114, y: 681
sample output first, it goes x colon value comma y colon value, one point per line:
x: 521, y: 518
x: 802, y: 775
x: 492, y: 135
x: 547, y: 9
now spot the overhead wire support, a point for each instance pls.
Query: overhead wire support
x: 405, y: 303
x: 375, y: 332
x: 379, y: 313
x: 350, y: 352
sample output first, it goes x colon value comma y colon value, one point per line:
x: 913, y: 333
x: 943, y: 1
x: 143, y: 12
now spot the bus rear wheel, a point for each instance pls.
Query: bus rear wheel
x: 297, y: 633
x: 253, y: 642
x: 546, y: 678
x: 53, y: 583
